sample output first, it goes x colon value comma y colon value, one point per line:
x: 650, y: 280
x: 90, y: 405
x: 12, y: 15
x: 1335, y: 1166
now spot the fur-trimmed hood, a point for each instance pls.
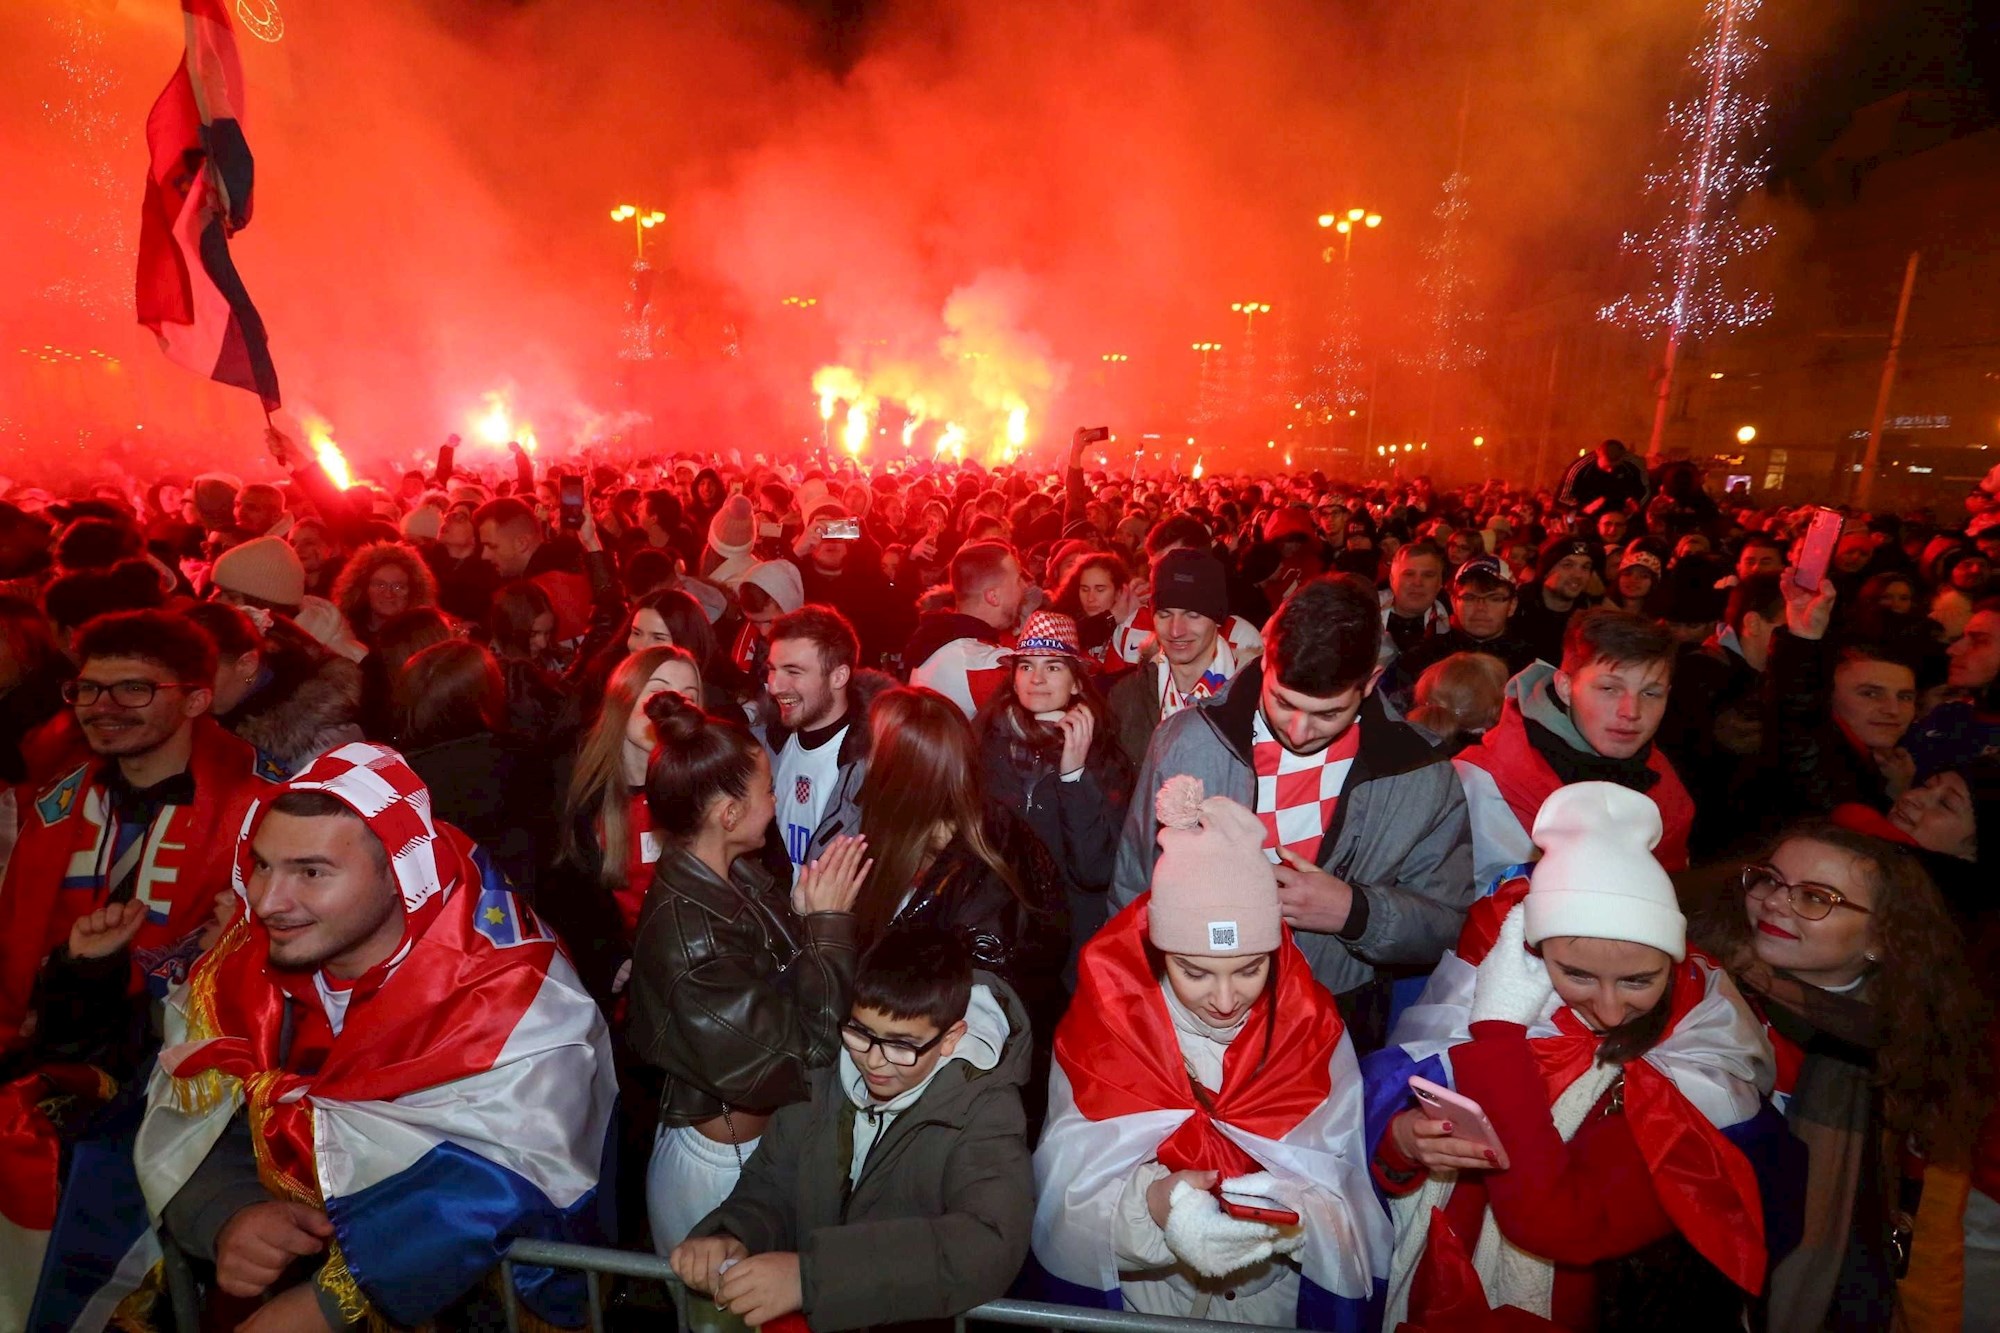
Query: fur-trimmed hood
x: 303, y: 708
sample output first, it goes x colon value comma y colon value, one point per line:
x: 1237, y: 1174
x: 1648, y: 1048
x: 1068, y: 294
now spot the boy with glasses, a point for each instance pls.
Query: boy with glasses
x: 836, y: 1215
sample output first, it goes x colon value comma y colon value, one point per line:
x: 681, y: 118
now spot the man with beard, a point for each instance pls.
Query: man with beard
x: 343, y: 1090
x: 1562, y: 574
x: 1364, y: 820
x: 811, y: 666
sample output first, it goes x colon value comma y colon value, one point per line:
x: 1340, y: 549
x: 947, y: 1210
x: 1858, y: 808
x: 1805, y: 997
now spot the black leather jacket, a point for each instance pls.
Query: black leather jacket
x: 733, y: 996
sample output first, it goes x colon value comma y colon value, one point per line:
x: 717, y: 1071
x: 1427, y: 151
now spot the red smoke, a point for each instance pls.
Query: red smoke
x: 434, y: 183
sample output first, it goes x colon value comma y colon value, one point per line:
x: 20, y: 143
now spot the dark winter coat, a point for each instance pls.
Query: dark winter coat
x: 937, y: 1223
x: 1077, y: 821
x: 495, y: 790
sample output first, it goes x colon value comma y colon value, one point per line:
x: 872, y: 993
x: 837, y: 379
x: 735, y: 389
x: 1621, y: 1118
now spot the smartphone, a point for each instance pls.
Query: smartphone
x: 572, y: 502
x: 1256, y: 1208
x: 1816, y: 552
x: 1468, y: 1118
x: 770, y: 530
x: 1097, y: 434
x: 446, y: 452
x: 841, y: 530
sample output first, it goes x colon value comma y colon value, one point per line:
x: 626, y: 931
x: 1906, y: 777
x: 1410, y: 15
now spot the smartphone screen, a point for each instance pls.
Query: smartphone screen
x: 572, y: 502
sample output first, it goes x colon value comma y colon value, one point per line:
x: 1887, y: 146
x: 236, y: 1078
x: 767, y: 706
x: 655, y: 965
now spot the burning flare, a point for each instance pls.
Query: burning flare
x: 319, y: 434
x: 856, y: 433
x: 497, y: 424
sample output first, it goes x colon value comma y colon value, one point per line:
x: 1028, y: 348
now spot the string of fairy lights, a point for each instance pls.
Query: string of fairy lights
x: 1715, y: 156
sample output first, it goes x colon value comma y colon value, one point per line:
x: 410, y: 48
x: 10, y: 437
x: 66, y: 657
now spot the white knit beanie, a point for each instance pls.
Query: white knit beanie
x: 1598, y: 877
x: 1213, y: 890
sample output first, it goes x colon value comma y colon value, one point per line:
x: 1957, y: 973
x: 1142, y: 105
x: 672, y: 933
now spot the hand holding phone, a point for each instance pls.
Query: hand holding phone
x: 1816, y: 551
x: 1453, y: 1131
x: 572, y: 502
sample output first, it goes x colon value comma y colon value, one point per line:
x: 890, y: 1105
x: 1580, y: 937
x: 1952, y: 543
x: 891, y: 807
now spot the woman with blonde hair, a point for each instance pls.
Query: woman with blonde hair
x: 1459, y: 697
x: 379, y: 582
x: 607, y: 850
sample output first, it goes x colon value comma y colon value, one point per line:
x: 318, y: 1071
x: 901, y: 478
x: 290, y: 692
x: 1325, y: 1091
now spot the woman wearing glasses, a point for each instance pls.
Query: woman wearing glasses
x: 1845, y: 949
x: 736, y: 992
x: 380, y: 582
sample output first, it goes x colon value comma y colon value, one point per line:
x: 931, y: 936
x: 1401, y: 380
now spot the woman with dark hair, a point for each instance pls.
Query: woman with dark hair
x: 1100, y: 596
x: 279, y: 688
x: 670, y: 617
x: 449, y: 713
x: 736, y: 992
x: 397, y: 640
x: 523, y: 621
x: 380, y: 582
x: 943, y: 852
x: 1048, y: 751
x: 1853, y: 961
x: 1624, y: 1081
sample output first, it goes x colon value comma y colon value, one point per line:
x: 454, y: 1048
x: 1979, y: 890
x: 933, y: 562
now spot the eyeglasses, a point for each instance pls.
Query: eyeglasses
x: 898, y: 1053
x: 1810, y: 902
x: 124, y: 693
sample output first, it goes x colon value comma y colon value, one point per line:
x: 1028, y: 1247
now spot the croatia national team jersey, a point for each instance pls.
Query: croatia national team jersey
x: 805, y: 781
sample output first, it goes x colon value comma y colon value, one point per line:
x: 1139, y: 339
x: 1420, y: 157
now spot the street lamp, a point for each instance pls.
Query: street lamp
x: 1205, y: 349
x: 800, y: 302
x: 1250, y: 310
x: 1346, y: 224
x: 1114, y: 357
x: 1745, y: 434
x: 642, y: 222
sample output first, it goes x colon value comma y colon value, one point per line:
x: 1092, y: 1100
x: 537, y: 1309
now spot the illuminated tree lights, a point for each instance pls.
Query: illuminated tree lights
x: 1714, y: 158
x: 1445, y: 282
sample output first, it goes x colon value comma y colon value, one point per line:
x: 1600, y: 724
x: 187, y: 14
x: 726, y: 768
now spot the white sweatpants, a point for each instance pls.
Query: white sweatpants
x: 687, y: 1178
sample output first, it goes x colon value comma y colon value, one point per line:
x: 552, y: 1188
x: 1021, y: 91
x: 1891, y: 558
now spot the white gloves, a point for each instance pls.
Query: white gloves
x: 1210, y: 1241
x: 1513, y: 985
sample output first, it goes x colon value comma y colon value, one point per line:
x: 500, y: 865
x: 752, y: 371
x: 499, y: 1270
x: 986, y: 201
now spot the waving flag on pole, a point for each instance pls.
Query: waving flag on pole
x: 197, y: 196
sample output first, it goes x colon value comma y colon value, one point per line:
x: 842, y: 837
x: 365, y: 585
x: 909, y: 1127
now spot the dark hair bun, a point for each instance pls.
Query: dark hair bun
x: 675, y: 719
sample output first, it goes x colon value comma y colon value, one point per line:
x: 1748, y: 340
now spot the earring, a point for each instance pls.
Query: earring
x: 1869, y: 957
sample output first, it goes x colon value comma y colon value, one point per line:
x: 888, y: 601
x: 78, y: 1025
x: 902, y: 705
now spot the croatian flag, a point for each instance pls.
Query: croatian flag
x: 1696, y: 1102
x: 197, y: 196
x: 467, y: 1100
x: 1119, y: 1098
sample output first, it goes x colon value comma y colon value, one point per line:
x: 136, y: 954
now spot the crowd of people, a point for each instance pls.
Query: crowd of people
x: 1275, y: 899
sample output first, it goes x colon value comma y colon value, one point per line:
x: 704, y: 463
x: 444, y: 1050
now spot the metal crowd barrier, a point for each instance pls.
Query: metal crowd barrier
x: 595, y: 1263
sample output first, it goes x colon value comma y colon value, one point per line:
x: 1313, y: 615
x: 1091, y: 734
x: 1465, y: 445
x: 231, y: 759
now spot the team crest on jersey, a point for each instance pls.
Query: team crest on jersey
x: 802, y: 791
x: 270, y: 769
x: 60, y: 801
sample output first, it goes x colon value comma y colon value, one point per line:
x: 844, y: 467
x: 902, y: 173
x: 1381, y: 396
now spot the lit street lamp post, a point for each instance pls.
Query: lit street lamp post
x: 642, y: 222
